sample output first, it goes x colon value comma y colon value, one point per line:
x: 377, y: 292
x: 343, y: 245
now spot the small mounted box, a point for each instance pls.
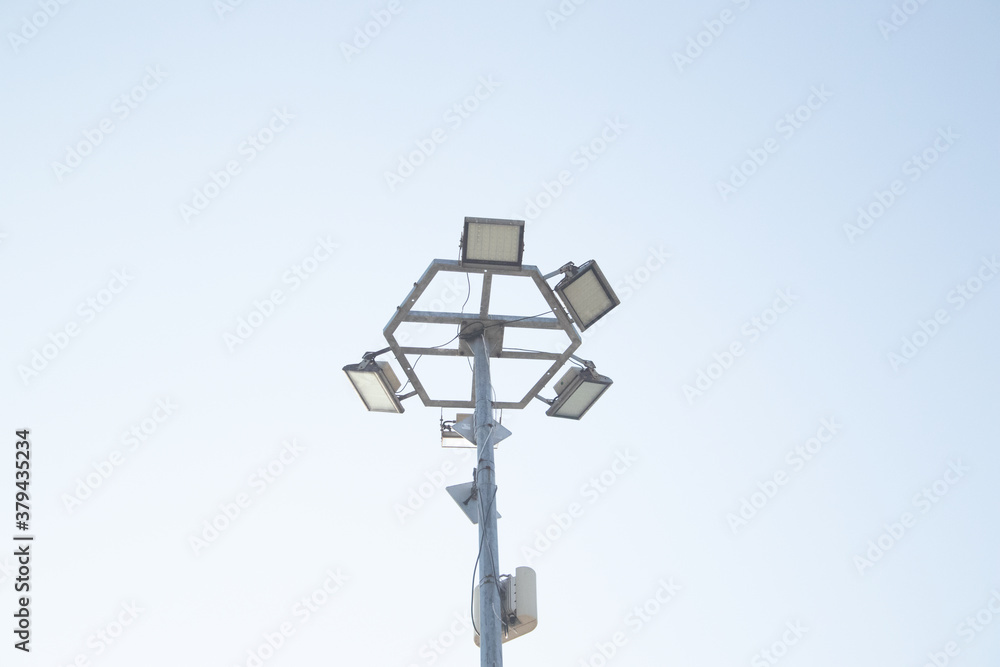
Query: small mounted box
x: 519, y: 605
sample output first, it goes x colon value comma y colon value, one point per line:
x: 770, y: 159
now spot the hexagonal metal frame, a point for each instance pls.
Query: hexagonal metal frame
x: 405, y: 313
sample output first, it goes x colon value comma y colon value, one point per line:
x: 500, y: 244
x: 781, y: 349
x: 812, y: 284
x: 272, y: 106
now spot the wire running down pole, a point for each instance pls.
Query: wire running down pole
x: 490, y: 654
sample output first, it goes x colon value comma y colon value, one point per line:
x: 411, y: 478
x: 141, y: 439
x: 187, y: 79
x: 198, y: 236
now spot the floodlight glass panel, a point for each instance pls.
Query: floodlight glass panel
x: 581, y: 393
x: 374, y: 388
x: 587, y: 295
x: 491, y: 241
x: 580, y: 400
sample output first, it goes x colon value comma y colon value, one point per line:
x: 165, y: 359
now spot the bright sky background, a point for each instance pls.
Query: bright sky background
x: 117, y: 115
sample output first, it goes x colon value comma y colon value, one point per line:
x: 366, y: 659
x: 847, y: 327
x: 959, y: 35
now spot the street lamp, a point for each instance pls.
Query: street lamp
x: 587, y: 293
x: 376, y: 384
x: 488, y: 241
x: 493, y: 247
x: 576, y: 392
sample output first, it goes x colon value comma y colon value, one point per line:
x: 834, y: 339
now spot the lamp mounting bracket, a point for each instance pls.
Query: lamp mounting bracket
x: 491, y: 326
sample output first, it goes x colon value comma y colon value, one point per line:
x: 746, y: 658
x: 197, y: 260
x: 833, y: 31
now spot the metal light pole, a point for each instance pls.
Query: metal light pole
x: 490, y: 654
x: 493, y: 248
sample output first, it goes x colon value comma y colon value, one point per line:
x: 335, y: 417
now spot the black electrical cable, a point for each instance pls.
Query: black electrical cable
x: 475, y: 567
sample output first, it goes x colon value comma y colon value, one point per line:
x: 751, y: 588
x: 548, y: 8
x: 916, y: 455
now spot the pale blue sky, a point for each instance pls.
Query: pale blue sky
x: 330, y: 128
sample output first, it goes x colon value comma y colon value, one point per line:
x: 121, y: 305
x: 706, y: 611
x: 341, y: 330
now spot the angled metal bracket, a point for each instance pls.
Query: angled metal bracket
x: 467, y: 499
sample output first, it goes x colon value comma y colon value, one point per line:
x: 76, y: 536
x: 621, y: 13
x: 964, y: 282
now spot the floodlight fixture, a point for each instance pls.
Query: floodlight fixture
x: 577, y: 391
x: 376, y: 384
x: 586, y: 293
x: 493, y: 242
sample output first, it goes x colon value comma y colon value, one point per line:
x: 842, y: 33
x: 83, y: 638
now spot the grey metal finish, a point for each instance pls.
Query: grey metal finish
x: 490, y: 320
x: 484, y: 302
x: 467, y: 429
x: 505, y: 354
x: 489, y: 598
x: 467, y: 499
x: 471, y: 321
